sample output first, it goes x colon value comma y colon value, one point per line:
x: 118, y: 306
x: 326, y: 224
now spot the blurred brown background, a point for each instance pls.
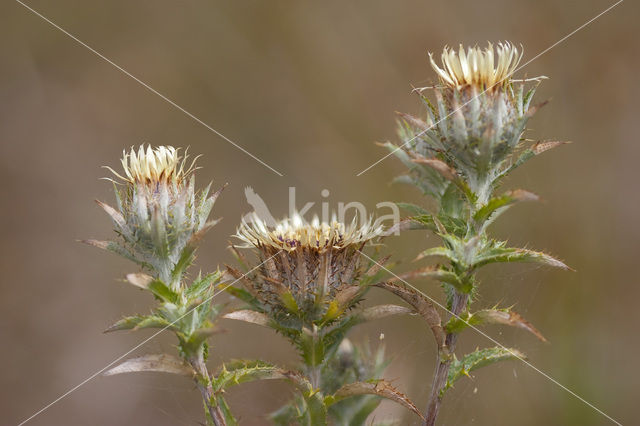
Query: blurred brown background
x: 308, y: 87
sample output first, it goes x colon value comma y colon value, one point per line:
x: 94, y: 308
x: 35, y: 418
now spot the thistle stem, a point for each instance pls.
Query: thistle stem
x: 203, y: 382
x: 444, y: 362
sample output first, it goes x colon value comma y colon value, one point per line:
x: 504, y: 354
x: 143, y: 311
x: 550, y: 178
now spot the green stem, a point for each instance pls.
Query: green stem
x: 203, y: 382
x: 444, y: 362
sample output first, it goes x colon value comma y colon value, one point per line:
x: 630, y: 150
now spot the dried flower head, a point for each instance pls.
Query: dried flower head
x: 153, y: 165
x: 292, y: 233
x: 477, y: 67
x: 306, y: 266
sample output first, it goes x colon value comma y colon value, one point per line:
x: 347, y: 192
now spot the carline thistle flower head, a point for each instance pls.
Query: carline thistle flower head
x: 314, y: 262
x: 477, y: 123
x: 293, y: 233
x: 153, y: 166
x: 159, y: 215
x: 478, y: 67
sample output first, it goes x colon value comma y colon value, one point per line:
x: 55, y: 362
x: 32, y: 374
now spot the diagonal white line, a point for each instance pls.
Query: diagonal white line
x: 151, y: 89
x: 145, y: 341
x: 496, y: 342
x: 491, y: 87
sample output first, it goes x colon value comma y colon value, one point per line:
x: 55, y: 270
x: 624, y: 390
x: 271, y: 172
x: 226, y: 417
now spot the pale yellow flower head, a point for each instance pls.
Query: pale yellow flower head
x: 153, y: 165
x: 477, y: 67
x: 294, y: 232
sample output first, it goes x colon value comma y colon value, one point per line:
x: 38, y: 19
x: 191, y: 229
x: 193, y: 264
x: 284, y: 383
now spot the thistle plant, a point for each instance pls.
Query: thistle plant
x: 459, y: 155
x: 310, y: 279
x: 159, y: 219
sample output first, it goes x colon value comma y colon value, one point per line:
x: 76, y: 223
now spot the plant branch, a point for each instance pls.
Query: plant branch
x: 203, y: 382
x: 445, y: 355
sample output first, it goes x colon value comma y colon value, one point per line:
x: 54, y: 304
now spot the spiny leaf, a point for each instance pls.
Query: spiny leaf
x: 116, y: 216
x: 411, y: 223
x: 377, y: 265
x: 139, y: 322
x: 241, y: 294
x: 203, y: 286
x: 497, y: 205
x: 543, y: 146
x: 187, y: 254
x: 162, y: 363
x: 437, y: 251
x: 478, y: 359
x: 242, y: 371
x: 440, y: 166
x: 414, y: 121
x: 435, y: 272
x: 422, y: 306
x: 448, y: 173
x: 413, y: 209
x: 399, y: 153
x: 380, y: 388
x: 200, y: 335
x: 116, y: 248
x: 529, y: 153
x: 491, y: 316
x: 163, y: 292
x: 500, y: 254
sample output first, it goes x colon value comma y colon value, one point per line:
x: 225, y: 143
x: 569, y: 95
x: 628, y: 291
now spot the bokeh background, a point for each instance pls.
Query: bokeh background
x: 308, y: 87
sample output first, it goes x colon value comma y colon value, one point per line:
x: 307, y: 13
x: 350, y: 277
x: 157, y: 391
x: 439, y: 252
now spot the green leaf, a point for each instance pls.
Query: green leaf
x: 163, y: 292
x: 139, y: 322
x: 497, y: 205
x: 450, y: 174
x: 413, y: 209
x: 500, y: 254
x: 312, y: 347
x: 437, y: 251
x: 226, y: 411
x: 412, y: 223
x: 116, y: 248
x: 204, y: 286
x: 187, y: 254
x: 478, y: 359
x: 491, y: 316
x: 194, y: 341
x: 242, y: 371
x: 289, y: 302
x: 452, y: 203
x: 438, y: 273
x: 400, y: 154
x: 241, y: 294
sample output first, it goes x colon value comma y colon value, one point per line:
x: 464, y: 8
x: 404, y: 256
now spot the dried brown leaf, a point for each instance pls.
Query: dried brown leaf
x: 162, y: 363
x: 422, y: 306
x: 380, y: 388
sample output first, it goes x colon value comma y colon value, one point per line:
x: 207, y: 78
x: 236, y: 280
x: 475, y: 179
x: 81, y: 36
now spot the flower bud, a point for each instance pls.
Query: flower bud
x: 159, y: 214
x: 479, y: 117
